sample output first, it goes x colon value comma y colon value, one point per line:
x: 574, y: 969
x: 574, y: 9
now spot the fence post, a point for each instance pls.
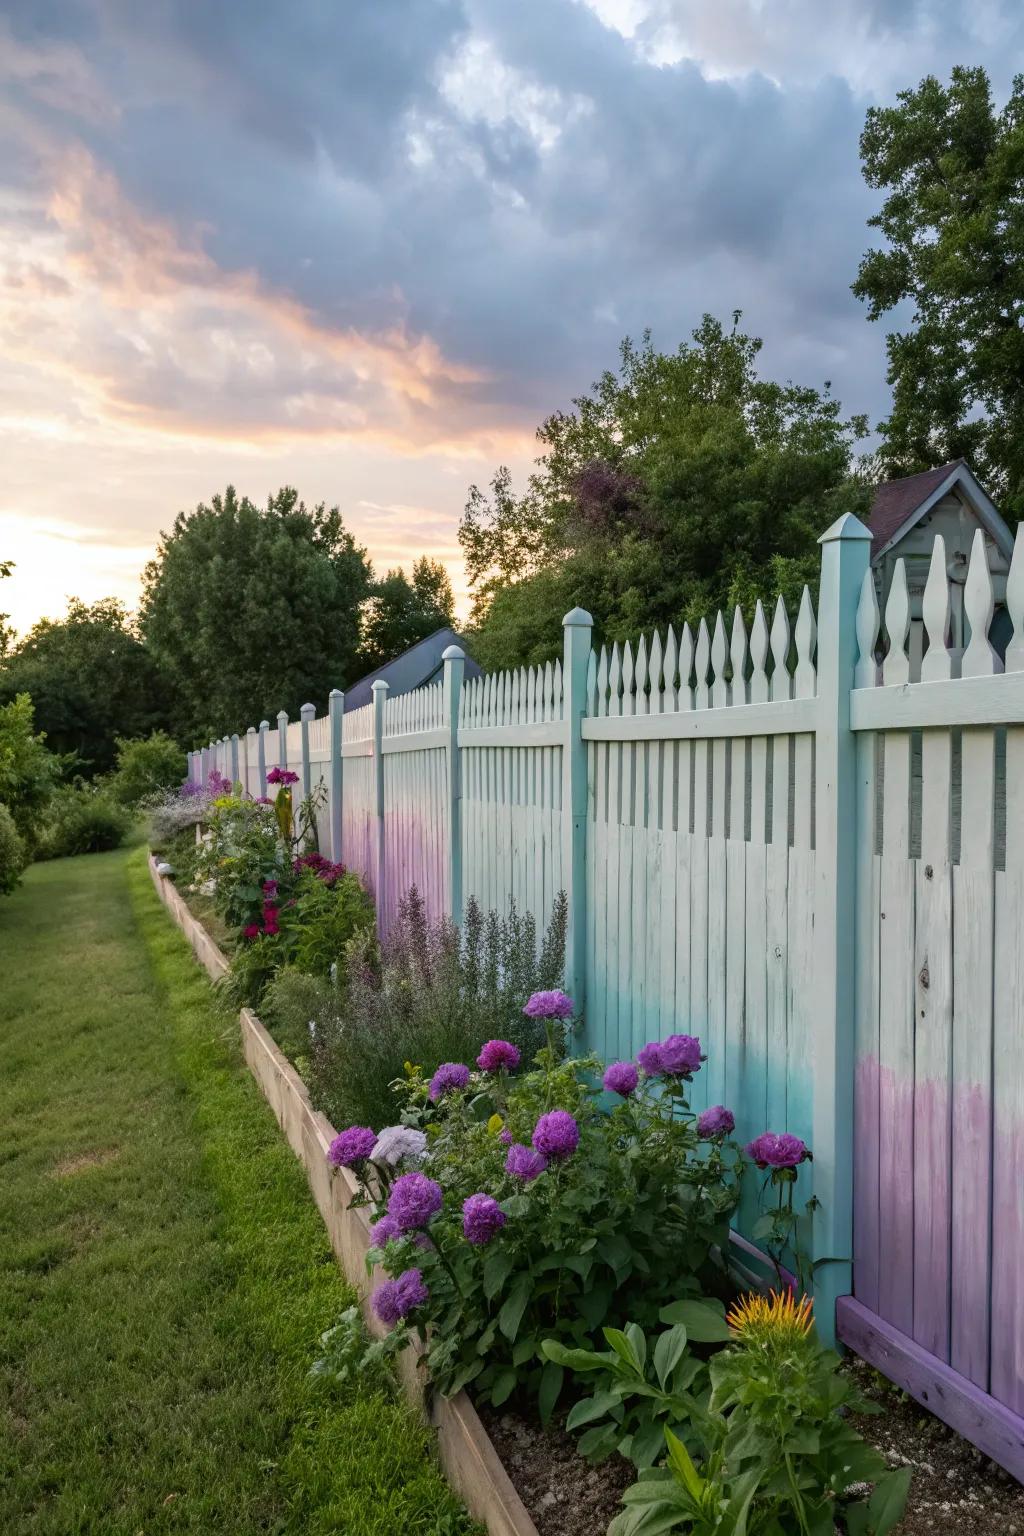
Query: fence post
x: 282, y: 738
x: 380, y: 693
x: 262, y: 757
x: 306, y: 714
x: 577, y: 627
x: 250, y: 757
x: 336, y: 710
x: 234, y: 757
x: 845, y: 555
x: 454, y: 659
x: 225, y: 753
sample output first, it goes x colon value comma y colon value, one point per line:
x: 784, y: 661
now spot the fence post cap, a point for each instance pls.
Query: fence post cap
x: 250, y: 730
x: 453, y: 653
x: 336, y: 693
x: 578, y: 617
x: 380, y: 686
x: 307, y: 712
x: 845, y: 527
x: 282, y: 714
x: 264, y: 725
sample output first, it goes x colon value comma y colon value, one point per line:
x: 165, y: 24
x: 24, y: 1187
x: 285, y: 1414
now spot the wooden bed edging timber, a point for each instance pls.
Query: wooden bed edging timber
x: 471, y: 1464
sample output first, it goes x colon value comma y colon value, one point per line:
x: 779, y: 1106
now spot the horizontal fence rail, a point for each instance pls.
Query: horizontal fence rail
x: 802, y: 841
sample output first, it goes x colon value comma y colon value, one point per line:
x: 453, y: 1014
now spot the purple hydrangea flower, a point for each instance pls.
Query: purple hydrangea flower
x: 396, y: 1298
x: 716, y: 1121
x: 414, y: 1199
x: 524, y: 1163
x: 383, y: 1231
x: 497, y: 1054
x: 549, y: 1005
x: 556, y: 1134
x: 505, y: 1136
x: 449, y: 1075
x: 482, y: 1219
x: 783, y: 1151
x: 678, y: 1056
x: 621, y: 1077
x: 352, y: 1146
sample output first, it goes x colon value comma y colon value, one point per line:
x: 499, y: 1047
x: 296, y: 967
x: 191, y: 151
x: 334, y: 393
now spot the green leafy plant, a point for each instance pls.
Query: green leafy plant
x: 13, y: 854
x: 640, y: 1389
x: 83, y: 818
x: 779, y: 1457
x: 145, y: 766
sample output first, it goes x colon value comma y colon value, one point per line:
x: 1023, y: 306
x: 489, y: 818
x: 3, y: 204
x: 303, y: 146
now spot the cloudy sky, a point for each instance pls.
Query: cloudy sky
x: 364, y: 247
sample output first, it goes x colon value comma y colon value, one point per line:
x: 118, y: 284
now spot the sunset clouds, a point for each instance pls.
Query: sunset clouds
x: 364, y: 249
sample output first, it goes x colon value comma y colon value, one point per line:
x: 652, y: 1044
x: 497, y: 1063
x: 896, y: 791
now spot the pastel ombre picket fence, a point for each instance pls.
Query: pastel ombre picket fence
x: 810, y: 856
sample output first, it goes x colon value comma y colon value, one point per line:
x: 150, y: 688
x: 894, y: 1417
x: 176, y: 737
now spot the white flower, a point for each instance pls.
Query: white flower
x: 398, y: 1141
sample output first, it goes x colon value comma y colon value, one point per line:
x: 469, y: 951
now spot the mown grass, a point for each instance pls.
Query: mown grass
x: 164, y: 1275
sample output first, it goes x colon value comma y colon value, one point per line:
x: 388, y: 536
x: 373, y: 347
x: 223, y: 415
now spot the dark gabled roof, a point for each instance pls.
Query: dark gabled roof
x: 898, y: 500
x: 416, y: 667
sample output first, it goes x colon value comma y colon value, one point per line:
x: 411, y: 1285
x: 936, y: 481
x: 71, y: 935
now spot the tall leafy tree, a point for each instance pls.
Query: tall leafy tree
x: 400, y: 612
x: 681, y: 483
x: 953, y: 221
x: 6, y: 632
x: 249, y: 610
x: 90, y: 679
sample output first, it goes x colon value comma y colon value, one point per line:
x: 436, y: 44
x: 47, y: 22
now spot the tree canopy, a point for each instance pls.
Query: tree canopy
x: 249, y: 610
x: 953, y: 222
x: 90, y: 679
x: 399, y: 612
x: 681, y: 483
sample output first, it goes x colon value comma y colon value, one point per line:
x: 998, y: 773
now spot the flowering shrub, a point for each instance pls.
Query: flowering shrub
x: 775, y: 1452
x: 535, y: 1212
x: 780, y: 1226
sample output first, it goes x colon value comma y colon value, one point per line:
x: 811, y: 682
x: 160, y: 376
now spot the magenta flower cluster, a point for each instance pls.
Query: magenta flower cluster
x: 414, y: 1201
x: 621, y: 1077
x: 716, y: 1121
x: 778, y: 1151
x: 282, y: 776
x: 556, y: 1135
x: 395, y: 1299
x: 449, y: 1075
x: 677, y: 1056
x: 482, y: 1219
x: 549, y: 1005
x: 324, y: 869
x: 498, y: 1055
x: 351, y: 1146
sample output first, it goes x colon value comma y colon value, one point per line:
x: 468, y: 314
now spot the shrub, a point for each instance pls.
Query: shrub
x: 171, y: 812
x: 309, y: 929
x: 145, y: 766
x: 83, y: 819
x: 545, y: 1217
x: 13, y: 854
x: 28, y: 772
x: 427, y: 995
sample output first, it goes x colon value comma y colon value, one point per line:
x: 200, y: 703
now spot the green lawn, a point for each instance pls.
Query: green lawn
x: 164, y: 1274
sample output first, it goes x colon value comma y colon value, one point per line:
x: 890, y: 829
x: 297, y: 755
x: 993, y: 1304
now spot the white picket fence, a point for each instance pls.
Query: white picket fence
x: 781, y: 843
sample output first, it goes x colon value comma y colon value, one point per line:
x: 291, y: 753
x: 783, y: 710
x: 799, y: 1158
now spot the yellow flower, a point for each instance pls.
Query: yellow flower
x: 775, y: 1319
x: 495, y: 1124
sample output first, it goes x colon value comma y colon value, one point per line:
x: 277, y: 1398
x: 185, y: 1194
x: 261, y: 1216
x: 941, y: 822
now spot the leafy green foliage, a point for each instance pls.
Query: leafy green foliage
x: 428, y: 994
x: 83, y: 818
x: 775, y: 1454
x: 145, y: 766
x: 28, y: 772
x: 637, y: 1211
x: 637, y: 1390
x: 13, y: 854
x: 682, y: 483
x: 953, y: 223
x: 243, y: 605
x: 91, y: 681
x: 400, y: 612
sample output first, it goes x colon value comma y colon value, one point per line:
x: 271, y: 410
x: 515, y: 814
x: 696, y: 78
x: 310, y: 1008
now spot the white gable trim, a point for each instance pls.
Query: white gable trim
x: 981, y: 505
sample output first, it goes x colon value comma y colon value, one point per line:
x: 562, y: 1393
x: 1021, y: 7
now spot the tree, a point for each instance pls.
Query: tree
x: 953, y: 221
x: 680, y: 484
x: 90, y: 679
x: 6, y: 632
x: 250, y: 610
x: 28, y: 772
x: 399, y: 612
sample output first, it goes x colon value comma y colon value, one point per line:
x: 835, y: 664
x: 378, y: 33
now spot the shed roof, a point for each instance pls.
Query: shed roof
x: 899, y: 504
x: 414, y: 668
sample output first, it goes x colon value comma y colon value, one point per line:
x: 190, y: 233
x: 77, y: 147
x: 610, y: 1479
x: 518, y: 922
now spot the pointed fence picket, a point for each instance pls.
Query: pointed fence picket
x: 799, y: 836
